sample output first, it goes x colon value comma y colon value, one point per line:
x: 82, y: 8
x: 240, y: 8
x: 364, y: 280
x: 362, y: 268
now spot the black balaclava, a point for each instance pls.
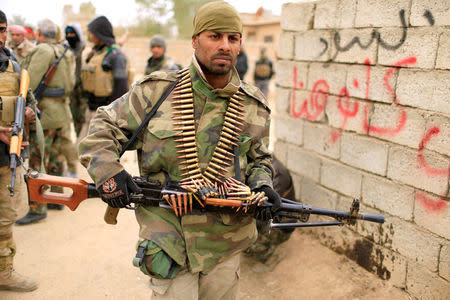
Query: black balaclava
x: 102, y: 29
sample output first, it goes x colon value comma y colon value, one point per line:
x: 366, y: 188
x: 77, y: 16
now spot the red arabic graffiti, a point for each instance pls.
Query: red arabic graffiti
x: 432, y: 205
x: 313, y: 107
x: 317, y: 102
x: 421, y: 159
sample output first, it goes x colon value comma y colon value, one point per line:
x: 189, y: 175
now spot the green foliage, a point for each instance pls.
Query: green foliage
x: 180, y: 12
x: 19, y: 20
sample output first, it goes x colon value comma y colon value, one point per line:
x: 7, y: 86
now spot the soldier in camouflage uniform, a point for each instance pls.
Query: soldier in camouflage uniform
x: 159, y: 60
x: 55, y: 112
x: 14, y: 207
x: 195, y: 256
x: 18, y: 43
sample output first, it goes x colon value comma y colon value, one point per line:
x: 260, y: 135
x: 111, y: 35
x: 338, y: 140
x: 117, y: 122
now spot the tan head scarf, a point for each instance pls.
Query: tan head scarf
x: 217, y: 16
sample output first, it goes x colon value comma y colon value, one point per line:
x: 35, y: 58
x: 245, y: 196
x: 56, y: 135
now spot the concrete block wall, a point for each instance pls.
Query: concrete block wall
x: 362, y: 110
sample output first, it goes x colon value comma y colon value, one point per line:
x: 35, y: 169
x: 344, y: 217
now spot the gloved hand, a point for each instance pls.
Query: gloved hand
x: 272, y: 197
x: 115, y: 190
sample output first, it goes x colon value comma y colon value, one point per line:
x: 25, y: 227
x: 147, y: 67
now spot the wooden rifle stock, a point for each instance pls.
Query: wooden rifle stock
x: 81, y: 190
x: 15, y: 146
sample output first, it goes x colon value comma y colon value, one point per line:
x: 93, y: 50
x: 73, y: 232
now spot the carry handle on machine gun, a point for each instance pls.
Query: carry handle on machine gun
x: 15, y: 146
x: 39, y: 91
x: 182, y: 201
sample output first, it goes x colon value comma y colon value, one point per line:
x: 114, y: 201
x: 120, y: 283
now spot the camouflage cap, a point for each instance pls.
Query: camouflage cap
x: 217, y: 16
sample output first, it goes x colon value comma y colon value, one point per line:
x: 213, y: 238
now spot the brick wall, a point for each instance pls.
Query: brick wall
x: 362, y: 109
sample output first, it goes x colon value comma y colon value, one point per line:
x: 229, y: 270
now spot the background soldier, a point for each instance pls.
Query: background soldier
x: 18, y: 43
x: 263, y: 72
x: 158, y: 60
x: 242, y: 63
x: 197, y: 255
x: 104, y: 75
x: 55, y: 112
x: 10, y: 207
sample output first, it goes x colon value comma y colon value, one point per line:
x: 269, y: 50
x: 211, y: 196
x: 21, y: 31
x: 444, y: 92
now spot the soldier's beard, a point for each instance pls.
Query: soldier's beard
x: 216, y: 69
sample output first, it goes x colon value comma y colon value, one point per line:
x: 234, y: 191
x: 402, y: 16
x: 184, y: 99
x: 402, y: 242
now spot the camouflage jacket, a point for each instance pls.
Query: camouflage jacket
x: 198, y: 240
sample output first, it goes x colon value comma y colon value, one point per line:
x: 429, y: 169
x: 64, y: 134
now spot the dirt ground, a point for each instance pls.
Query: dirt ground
x: 75, y: 255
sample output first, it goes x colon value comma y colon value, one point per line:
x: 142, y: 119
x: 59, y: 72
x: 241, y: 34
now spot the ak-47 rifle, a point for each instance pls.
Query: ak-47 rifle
x: 183, y: 199
x: 39, y: 91
x: 15, y: 146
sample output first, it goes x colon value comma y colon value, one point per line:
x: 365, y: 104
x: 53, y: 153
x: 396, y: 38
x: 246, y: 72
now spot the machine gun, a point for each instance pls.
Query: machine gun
x: 17, y: 133
x: 184, y: 199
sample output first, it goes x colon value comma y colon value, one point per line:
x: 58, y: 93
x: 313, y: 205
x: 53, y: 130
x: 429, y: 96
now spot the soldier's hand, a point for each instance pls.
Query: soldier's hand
x: 115, y: 190
x: 30, y: 116
x: 265, y: 214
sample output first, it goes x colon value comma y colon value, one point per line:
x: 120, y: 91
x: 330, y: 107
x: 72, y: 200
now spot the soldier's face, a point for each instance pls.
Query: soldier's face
x: 17, y: 38
x: 217, y: 51
x: 3, y: 34
x: 157, y: 51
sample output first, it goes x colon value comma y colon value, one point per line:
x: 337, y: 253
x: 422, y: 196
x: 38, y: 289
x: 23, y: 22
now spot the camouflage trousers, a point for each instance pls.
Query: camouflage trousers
x: 11, y: 209
x: 266, y: 244
x: 78, y: 110
x: 221, y: 282
x: 53, y: 163
x: 69, y: 152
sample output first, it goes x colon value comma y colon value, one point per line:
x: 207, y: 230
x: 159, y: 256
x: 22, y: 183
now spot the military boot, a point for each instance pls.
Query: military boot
x: 31, y: 218
x: 11, y: 280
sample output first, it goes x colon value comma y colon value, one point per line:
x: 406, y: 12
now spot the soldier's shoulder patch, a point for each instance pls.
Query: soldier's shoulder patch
x: 160, y: 75
x: 255, y: 93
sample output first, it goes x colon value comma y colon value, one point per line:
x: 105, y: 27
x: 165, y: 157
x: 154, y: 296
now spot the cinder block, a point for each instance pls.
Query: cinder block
x: 341, y: 178
x: 316, y: 195
x: 280, y: 151
x: 335, y: 14
x: 304, y: 163
x: 286, y: 45
x: 329, y: 78
x: 397, y: 124
x: 308, y: 105
x: 433, y: 213
x: 346, y: 50
x: 297, y: 182
x: 282, y: 101
x: 443, y: 55
x: 437, y: 134
x: 289, y: 130
x: 423, y: 284
x: 297, y: 16
x: 427, y: 90
x: 359, y: 75
x: 444, y: 262
x: 381, y: 13
x: 414, y: 243
x: 404, y: 166
x: 317, y: 138
x: 345, y: 115
x: 420, y: 43
x: 313, y: 45
x: 371, y: 230
x: 364, y: 153
x: 291, y: 74
x: 429, y: 13
x: 393, y: 198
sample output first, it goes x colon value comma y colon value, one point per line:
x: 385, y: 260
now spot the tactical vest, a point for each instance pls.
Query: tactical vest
x: 9, y: 89
x: 94, y: 79
x: 263, y: 70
